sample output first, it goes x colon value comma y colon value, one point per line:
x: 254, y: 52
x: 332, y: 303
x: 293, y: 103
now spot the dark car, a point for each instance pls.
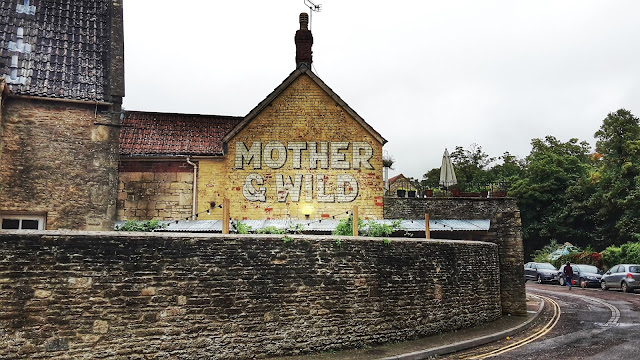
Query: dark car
x: 583, y: 275
x: 540, y: 272
x: 623, y: 276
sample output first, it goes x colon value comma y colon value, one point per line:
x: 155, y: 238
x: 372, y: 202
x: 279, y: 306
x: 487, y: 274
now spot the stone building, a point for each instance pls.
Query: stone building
x: 300, y: 153
x: 61, y: 84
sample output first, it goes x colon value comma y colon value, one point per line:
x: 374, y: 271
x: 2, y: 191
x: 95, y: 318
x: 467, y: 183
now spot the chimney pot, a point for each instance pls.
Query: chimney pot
x: 304, y: 41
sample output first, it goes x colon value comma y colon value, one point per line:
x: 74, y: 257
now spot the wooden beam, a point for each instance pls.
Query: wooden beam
x: 427, y: 232
x: 355, y: 220
x: 225, y: 215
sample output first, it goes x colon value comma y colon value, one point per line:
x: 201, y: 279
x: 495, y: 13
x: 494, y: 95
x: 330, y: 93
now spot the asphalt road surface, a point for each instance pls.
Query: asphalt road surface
x: 577, y: 324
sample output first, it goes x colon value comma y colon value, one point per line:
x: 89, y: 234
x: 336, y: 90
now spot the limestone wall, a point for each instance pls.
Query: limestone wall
x: 155, y: 190
x: 94, y: 295
x: 59, y: 160
x: 505, y: 230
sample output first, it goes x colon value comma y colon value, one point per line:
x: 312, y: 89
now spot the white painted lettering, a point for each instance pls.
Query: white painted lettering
x: 267, y: 154
x: 250, y: 192
x: 337, y: 158
x: 346, y: 182
x: 250, y: 155
x: 288, y: 187
x: 296, y: 157
x: 361, y: 159
x: 315, y: 155
x: 321, y: 188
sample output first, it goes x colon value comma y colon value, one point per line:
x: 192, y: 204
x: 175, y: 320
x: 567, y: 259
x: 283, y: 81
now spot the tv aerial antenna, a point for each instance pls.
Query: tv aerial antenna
x: 312, y: 8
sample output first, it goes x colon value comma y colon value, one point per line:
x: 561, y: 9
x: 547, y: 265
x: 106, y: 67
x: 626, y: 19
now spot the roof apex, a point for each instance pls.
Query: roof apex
x: 299, y: 71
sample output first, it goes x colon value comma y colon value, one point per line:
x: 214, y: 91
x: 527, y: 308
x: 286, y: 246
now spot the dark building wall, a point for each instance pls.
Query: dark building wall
x: 505, y: 230
x: 96, y: 295
x: 56, y: 160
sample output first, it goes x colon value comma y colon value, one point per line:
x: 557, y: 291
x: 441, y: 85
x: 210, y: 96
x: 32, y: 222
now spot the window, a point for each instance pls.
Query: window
x: 22, y: 222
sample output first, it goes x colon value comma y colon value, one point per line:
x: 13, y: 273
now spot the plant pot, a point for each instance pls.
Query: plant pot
x: 455, y: 192
x: 400, y: 193
x: 498, y: 194
x: 428, y: 193
x: 411, y: 193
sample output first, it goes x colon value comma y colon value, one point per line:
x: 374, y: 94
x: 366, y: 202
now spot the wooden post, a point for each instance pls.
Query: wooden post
x: 355, y: 220
x: 225, y: 216
x: 427, y: 232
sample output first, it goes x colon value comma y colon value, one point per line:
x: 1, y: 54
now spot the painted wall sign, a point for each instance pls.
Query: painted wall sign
x: 310, y: 155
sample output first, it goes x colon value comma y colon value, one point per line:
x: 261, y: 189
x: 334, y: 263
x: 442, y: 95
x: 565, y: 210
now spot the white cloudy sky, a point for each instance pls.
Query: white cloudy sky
x: 425, y: 74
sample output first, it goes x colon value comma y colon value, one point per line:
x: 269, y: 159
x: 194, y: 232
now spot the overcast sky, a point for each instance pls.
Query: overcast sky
x: 427, y: 75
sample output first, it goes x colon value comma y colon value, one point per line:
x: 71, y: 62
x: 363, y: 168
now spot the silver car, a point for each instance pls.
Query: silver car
x: 623, y: 276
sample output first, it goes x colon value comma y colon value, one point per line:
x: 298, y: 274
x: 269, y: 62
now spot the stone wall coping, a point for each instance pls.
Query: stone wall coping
x: 181, y: 235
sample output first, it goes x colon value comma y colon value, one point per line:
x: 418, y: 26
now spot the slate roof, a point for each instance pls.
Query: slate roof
x: 165, y: 134
x: 56, y: 48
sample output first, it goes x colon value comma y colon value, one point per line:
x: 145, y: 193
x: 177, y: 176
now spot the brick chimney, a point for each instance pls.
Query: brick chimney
x: 304, y: 40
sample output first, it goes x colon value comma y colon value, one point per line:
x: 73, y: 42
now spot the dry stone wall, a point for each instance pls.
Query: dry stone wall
x: 505, y: 230
x: 88, y: 295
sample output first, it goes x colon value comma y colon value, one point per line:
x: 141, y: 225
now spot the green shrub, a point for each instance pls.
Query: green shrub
x: 271, y: 230
x: 372, y: 229
x: 241, y: 228
x: 345, y: 226
x: 135, y: 225
x: 628, y: 253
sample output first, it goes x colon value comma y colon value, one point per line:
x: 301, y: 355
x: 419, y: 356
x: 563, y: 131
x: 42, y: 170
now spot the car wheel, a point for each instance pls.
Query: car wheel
x: 561, y: 281
x: 583, y: 284
x: 603, y: 285
x: 625, y: 287
x: 539, y: 279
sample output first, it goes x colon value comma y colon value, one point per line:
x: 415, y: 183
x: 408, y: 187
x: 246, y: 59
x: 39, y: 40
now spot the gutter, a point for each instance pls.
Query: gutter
x: 195, y: 187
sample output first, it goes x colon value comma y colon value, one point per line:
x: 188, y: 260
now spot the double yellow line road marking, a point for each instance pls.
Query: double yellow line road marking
x: 538, y: 334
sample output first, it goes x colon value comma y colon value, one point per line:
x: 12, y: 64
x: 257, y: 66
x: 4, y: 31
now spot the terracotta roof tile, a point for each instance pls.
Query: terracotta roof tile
x: 163, y: 134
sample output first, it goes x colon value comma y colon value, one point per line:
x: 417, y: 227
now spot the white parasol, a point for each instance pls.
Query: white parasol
x: 447, y: 174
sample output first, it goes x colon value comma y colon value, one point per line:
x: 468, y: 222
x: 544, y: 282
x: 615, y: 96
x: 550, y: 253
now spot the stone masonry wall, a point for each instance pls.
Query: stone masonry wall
x: 87, y: 295
x: 302, y: 116
x: 161, y: 190
x: 505, y: 230
x: 56, y: 159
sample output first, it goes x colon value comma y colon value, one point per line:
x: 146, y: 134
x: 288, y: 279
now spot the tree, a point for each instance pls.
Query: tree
x: 471, y: 164
x: 551, y: 169
x: 617, y: 196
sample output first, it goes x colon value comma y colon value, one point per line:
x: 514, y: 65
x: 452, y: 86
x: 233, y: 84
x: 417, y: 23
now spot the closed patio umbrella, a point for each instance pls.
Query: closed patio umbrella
x: 447, y: 174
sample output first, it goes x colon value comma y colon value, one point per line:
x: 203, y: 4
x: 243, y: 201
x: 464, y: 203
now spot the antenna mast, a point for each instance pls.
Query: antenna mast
x: 312, y: 7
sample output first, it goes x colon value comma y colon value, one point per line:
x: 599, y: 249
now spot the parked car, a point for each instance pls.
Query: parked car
x: 583, y: 275
x: 623, y: 276
x: 540, y: 272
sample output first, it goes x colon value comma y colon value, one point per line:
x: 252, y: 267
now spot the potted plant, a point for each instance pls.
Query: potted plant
x: 428, y: 193
x: 401, y: 192
x: 411, y: 193
x: 499, y: 191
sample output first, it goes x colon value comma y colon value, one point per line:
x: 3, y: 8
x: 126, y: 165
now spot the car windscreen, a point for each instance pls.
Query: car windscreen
x: 634, y: 269
x: 546, y: 266
x: 588, y: 268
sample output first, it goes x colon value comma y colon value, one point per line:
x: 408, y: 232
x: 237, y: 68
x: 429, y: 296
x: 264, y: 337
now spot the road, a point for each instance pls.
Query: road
x: 586, y: 324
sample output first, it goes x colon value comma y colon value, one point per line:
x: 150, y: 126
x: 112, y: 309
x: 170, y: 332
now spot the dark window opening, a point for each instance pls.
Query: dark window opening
x: 10, y: 224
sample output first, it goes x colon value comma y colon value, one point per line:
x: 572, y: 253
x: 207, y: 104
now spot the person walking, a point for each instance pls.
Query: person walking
x: 568, y: 274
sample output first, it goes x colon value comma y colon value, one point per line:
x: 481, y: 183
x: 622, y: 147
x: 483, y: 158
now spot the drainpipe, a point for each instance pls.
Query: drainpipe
x: 195, y: 187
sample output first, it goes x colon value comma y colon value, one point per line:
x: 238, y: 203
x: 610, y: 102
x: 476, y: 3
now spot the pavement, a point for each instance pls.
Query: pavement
x: 440, y: 344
